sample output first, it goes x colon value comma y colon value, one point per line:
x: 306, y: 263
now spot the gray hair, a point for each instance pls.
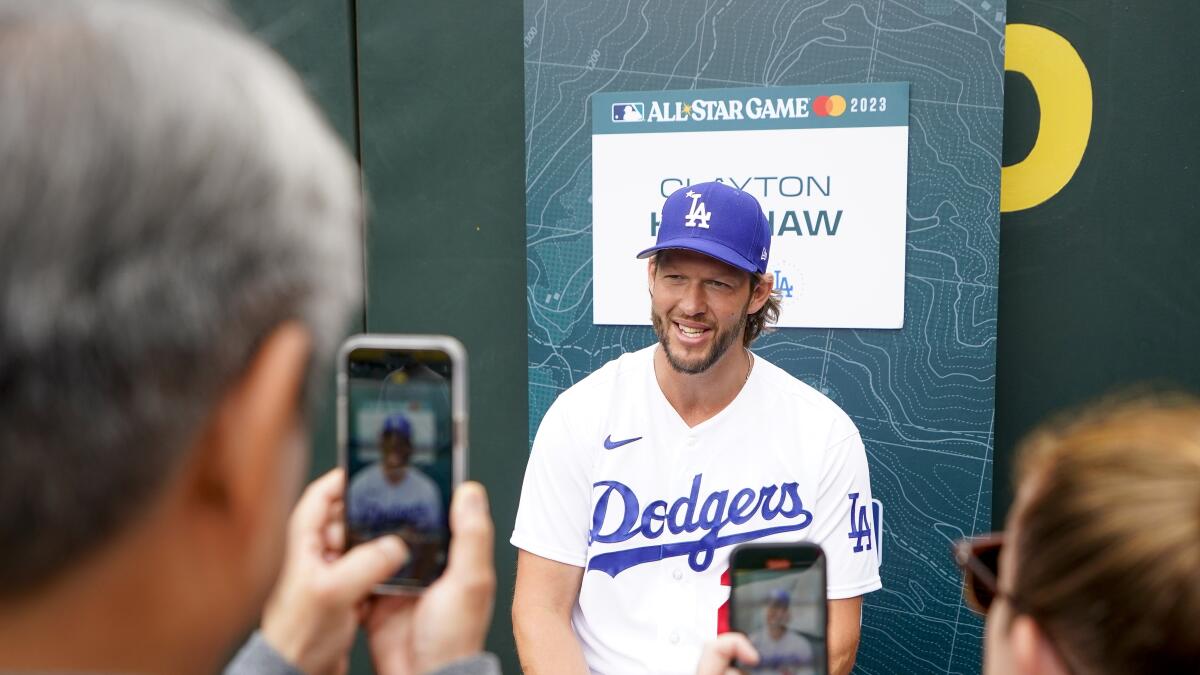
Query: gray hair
x: 168, y: 197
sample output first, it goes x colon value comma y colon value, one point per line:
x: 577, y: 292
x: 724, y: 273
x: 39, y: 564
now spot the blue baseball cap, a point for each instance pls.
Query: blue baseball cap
x: 779, y: 596
x: 717, y: 220
x: 397, y: 424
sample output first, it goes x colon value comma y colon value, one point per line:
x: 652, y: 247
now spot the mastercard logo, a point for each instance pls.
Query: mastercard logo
x: 829, y: 106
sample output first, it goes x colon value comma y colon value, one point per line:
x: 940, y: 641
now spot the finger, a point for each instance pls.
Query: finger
x: 743, y: 650
x: 720, y: 653
x: 312, y: 511
x: 334, y: 533
x: 394, y: 611
x: 472, y: 533
x: 364, y: 566
x: 336, y: 511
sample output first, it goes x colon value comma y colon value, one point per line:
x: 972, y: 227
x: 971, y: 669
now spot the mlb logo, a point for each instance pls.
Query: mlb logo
x: 628, y: 112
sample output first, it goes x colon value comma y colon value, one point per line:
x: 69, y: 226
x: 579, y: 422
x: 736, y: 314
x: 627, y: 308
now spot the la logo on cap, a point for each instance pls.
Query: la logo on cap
x: 744, y: 233
x: 699, y: 215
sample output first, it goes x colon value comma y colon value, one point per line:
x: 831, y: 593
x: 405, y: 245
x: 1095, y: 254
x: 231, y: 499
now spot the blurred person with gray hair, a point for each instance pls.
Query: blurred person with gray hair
x: 178, y: 255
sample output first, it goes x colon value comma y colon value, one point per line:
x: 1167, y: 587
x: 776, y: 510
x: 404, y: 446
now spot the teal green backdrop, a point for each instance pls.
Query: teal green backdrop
x: 921, y: 396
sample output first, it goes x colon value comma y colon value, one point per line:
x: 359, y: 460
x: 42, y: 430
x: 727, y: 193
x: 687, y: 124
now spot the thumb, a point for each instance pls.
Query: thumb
x: 720, y: 653
x: 472, y: 530
x: 365, y: 565
x: 313, y: 511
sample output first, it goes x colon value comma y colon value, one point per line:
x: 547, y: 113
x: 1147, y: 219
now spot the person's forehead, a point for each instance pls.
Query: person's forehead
x: 676, y: 257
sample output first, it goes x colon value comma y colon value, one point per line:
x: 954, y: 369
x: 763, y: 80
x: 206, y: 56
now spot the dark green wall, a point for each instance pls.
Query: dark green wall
x: 1099, y: 286
x: 442, y: 118
x: 437, y: 121
x: 317, y: 38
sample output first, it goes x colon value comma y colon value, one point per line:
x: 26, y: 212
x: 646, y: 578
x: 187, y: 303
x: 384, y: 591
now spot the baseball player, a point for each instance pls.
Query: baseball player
x: 392, y: 496
x: 781, y: 650
x: 644, y: 474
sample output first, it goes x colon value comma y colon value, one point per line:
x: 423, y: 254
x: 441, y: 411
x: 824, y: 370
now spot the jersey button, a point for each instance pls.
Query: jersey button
x: 678, y: 574
x: 674, y: 637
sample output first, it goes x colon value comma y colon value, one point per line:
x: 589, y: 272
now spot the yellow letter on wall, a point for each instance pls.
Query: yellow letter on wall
x: 1064, y: 92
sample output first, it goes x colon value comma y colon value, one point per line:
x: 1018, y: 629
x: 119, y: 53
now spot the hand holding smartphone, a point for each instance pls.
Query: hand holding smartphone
x: 402, y: 419
x: 778, y: 600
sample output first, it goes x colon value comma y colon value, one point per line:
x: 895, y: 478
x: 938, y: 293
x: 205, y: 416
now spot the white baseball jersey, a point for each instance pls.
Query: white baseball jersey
x: 618, y: 484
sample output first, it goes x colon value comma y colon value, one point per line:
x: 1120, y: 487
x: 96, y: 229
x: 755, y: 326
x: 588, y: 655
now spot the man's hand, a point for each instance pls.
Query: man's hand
x: 720, y: 653
x: 314, y: 610
x: 410, y: 634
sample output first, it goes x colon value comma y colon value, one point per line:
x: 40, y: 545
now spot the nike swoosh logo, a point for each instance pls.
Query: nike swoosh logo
x: 610, y: 444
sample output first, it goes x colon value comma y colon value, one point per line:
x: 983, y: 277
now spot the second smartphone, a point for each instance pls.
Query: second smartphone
x: 402, y: 419
x: 778, y: 600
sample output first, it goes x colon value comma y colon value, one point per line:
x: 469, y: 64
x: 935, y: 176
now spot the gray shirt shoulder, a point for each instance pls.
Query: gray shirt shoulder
x: 257, y: 657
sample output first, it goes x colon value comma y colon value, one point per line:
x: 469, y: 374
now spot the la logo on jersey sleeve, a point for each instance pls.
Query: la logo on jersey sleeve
x: 866, y: 529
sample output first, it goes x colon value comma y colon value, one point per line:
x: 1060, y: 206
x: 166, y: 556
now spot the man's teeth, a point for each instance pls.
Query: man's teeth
x: 690, y: 331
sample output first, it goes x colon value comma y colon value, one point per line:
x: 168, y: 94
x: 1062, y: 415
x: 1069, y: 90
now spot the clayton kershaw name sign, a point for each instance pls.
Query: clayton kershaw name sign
x: 829, y: 164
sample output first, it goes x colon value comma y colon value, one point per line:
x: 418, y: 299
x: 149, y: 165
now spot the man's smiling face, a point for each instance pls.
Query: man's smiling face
x: 698, y: 308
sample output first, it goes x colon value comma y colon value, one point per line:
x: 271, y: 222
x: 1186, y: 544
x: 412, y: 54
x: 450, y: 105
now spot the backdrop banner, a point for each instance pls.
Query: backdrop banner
x: 920, y: 183
x: 828, y: 164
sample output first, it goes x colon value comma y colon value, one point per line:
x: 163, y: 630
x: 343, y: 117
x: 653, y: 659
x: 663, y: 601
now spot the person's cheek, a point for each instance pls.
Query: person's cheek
x: 298, y: 459
x: 269, y: 548
x: 997, y: 658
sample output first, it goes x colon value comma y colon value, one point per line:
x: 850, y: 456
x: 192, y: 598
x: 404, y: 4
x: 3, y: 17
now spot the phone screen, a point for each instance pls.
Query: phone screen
x: 779, y: 603
x: 399, y: 454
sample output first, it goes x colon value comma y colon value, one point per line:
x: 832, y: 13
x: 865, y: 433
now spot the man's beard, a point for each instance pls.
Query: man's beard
x: 721, y: 344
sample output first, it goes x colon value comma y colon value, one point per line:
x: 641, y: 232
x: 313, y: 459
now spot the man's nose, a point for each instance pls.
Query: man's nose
x: 694, y: 300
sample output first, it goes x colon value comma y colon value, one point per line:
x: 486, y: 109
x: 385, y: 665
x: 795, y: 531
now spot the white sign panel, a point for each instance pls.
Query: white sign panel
x: 828, y: 164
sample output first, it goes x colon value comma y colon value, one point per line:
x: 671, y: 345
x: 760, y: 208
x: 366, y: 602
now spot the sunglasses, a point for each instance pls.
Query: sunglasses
x: 979, y: 560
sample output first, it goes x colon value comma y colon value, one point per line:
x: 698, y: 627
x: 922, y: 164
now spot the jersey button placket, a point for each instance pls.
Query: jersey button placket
x: 678, y: 597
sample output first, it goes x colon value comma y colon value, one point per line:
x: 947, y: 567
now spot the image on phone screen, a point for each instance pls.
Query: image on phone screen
x: 399, y: 454
x: 781, y: 608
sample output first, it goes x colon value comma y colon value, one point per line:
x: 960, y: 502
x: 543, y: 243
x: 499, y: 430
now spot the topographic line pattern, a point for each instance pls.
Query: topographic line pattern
x: 921, y: 396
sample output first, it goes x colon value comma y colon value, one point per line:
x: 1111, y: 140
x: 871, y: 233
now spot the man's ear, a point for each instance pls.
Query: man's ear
x: 760, y: 293
x: 249, y: 452
x: 651, y: 269
x: 1032, y: 651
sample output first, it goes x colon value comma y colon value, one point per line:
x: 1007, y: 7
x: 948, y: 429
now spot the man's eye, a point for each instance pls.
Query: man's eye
x: 718, y: 284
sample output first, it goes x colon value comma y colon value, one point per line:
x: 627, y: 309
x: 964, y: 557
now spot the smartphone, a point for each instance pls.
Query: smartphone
x: 402, y: 439
x: 778, y: 600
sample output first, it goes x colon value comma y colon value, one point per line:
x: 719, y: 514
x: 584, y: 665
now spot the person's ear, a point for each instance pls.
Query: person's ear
x: 760, y: 293
x: 651, y: 269
x: 1033, y: 653
x: 253, y: 455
